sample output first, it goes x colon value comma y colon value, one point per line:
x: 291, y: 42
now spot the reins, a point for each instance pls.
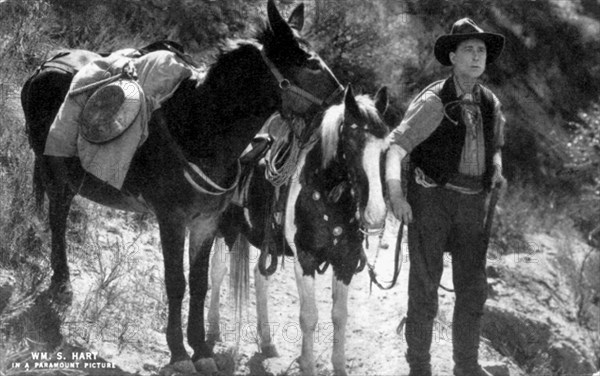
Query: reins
x: 397, y: 260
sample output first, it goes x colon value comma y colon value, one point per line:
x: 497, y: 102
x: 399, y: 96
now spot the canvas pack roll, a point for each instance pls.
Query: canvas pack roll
x: 158, y: 75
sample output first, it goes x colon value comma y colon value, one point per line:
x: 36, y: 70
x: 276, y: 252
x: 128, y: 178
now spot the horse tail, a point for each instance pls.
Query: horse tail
x: 239, y: 276
x: 38, y: 181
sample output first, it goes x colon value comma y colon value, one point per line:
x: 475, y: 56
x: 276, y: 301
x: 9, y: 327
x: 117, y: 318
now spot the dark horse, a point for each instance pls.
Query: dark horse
x: 49, y: 85
x: 196, y: 137
x: 335, y: 193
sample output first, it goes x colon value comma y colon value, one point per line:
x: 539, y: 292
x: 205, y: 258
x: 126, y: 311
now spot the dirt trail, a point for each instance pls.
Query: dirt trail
x: 373, y: 344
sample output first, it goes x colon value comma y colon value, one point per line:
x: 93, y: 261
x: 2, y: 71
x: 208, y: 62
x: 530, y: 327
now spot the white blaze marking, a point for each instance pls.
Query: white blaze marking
x: 375, y: 210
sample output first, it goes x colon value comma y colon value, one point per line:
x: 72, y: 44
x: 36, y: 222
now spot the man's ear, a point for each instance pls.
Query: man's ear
x: 451, y: 56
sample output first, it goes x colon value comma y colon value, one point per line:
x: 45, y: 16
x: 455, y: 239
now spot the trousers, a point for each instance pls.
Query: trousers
x: 445, y: 221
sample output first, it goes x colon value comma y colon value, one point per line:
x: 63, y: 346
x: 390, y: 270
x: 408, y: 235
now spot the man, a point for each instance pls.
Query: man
x: 453, y: 131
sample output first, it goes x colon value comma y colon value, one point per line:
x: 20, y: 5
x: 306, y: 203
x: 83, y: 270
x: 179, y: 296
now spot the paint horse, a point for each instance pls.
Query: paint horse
x: 335, y: 193
x: 187, y: 168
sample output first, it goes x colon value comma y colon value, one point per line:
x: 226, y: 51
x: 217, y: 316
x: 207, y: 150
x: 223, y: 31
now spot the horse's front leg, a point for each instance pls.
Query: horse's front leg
x: 218, y: 270
x: 339, y: 316
x: 202, y: 234
x: 267, y: 347
x: 172, y: 236
x: 308, y: 318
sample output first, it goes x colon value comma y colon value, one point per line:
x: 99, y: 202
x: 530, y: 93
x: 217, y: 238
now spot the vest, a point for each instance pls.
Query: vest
x: 439, y: 155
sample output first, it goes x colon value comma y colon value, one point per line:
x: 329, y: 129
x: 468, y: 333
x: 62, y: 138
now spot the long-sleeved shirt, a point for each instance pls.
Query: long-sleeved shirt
x: 425, y: 114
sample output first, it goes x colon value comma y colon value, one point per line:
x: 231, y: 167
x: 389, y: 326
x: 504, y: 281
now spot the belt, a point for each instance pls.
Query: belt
x: 427, y: 182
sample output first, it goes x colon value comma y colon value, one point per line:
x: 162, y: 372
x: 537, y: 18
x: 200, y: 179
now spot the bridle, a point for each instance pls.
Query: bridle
x: 286, y: 85
x: 362, y: 228
x: 370, y: 264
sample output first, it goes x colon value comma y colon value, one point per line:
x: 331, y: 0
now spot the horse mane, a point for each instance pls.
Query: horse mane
x: 333, y: 120
x: 260, y: 33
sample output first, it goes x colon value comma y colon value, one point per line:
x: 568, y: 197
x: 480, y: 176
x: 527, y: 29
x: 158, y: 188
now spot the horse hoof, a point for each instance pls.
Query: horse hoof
x: 269, y: 351
x: 181, y: 368
x: 306, y: 367
x: 206, y: 366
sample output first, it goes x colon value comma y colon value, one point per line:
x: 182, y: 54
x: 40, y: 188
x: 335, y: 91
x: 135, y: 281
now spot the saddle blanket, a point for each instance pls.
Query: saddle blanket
x: 159, y: 75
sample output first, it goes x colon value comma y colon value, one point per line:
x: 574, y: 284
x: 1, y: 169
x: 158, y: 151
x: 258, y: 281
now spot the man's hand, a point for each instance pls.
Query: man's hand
x: 400, y: 206
x: 498, y: 180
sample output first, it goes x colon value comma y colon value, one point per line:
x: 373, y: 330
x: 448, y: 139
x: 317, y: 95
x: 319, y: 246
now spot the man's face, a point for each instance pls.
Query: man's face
x: 469, y: 58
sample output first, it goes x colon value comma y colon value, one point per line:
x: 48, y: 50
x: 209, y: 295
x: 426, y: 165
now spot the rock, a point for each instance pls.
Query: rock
x: 523, y: 336
x: 527, y: 339
x: 568, y: 360
x: 496, y: 368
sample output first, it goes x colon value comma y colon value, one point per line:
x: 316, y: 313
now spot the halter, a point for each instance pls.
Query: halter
x: 285, y: 84
x: 365, y: 231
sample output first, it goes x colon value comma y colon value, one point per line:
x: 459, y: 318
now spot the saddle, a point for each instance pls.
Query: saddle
x: 269, y: 148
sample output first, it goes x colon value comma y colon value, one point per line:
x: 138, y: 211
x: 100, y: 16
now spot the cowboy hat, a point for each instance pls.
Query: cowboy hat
x: 110, y: 111
x: 462, y: 30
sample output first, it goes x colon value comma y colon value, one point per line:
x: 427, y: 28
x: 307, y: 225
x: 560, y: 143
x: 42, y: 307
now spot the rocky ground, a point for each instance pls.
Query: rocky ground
x: 119, y: 311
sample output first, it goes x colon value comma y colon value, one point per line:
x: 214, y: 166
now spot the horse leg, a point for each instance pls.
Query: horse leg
x: 339, y: 316
x: 308, y: 319
x: 60, y: 198
x: 202, y: 233
x: 218, y: 269
x: 261, y: 283
x: 172, y: 236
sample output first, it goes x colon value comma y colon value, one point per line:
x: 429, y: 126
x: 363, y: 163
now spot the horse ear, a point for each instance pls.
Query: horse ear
x: 382, y: 100
x: 280, y: 28
x: 351, y: 107
x: 296, y: 19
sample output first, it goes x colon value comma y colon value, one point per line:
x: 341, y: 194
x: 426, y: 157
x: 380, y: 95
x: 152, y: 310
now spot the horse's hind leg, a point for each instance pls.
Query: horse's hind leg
x: 218, y: 269
x: 339, y: 316
x: 202, y: 234
x: 60, y: 198
x: 267, y: 347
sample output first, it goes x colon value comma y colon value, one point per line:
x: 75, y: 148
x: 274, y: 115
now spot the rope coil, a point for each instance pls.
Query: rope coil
x: 282, y: 160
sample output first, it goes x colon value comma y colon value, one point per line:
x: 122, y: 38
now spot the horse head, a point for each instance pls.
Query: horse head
x: 361, y: 141
x: 307, y: 84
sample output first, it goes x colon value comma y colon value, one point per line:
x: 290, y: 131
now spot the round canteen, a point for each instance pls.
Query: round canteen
x: 110, y: 111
